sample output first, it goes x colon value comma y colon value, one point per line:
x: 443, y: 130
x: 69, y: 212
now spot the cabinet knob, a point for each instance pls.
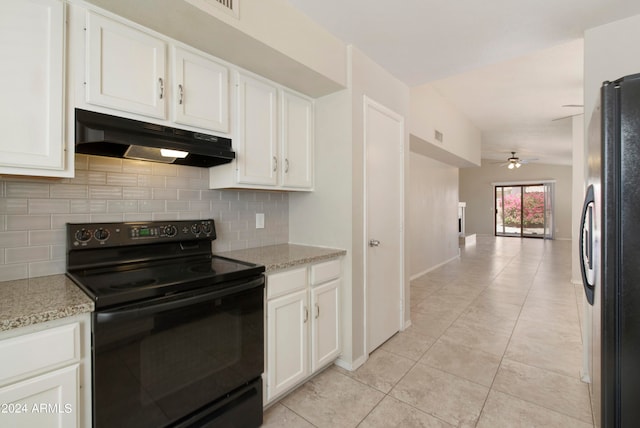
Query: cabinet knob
x: 286, y: 165
x: 306, y: 314
x: 317, y: 311
x: 374, y: 243
x: 181, y: 91
x: 275, y: 164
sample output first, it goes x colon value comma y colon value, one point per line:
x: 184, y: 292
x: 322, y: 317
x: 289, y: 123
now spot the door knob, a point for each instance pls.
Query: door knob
x: 374, y: 243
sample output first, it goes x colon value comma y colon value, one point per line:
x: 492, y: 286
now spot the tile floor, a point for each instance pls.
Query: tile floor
x: 495, y: 342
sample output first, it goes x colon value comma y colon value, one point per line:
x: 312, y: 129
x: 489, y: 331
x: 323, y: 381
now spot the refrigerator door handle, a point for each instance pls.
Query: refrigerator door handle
x: 586, y: 245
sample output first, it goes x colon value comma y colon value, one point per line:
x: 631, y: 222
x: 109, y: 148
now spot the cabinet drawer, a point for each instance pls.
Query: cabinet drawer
x: 285, y: 282
x: 326, y: 271
x: 35, y: 352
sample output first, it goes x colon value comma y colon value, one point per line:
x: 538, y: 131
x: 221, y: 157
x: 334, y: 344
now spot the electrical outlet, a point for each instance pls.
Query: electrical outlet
x: 259, y: 220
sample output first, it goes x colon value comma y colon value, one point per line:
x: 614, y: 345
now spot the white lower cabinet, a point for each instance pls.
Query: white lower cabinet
x: 287, y: 343
x: 325, y: 343
x: 49, y: 400
x: 302, y: 324
x: 45, y: 374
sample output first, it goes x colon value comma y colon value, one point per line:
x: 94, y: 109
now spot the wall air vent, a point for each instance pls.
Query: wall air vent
x: 226, y: 3
x: 230, y: 7
x: 439, y: 136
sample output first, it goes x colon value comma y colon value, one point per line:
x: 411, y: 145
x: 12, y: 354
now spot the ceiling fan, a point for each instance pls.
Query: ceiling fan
x: 515, y: 162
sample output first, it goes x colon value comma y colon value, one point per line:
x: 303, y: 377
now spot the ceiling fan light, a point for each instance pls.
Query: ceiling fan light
x: 511, y: 166
x: 518, y: 164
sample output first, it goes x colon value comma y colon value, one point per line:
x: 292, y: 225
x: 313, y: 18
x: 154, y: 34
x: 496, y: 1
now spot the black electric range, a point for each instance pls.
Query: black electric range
x: 178, y: 332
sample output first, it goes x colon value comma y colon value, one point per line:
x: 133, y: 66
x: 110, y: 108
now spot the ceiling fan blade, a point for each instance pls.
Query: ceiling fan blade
x: 529, y: 160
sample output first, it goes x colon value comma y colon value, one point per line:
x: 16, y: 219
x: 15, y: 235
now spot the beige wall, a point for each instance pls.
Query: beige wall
x: 433, y: 214
x: 477, y: 191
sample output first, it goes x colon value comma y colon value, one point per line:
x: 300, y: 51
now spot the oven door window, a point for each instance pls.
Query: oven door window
x: 156, y: 364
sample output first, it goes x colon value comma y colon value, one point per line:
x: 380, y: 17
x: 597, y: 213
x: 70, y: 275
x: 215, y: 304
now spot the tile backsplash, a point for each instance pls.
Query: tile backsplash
x: 34, y: 211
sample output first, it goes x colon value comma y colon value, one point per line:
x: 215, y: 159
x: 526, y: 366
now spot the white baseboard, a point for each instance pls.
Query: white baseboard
x: 351, y: 366
x: 418, y: 275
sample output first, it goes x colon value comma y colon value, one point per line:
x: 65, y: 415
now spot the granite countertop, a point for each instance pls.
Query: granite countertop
x: 34, y: 300
x: 283, y: 256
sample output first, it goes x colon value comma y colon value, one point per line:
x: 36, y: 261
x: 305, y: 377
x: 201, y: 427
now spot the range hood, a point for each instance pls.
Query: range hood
x: 106, y: 135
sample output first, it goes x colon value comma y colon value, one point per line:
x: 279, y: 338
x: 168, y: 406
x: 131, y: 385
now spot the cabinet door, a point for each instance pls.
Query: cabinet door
x: 31, y: 106
x: 126, y: 68
x: 325, y: 337
x: 201, y: 91
x: 257, y: 151
x: 287, y: 336
x: 297, y: 141
x: 48, y: 400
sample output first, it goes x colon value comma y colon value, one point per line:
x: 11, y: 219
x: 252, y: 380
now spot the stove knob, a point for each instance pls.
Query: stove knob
x: 170, y: 231
x: 196, y: 229
x: 83, y: 235
x: 101, y: 234
x: 206, y: 228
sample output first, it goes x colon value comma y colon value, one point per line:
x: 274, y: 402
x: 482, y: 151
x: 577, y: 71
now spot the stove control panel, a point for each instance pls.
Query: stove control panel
x: 94, y: 235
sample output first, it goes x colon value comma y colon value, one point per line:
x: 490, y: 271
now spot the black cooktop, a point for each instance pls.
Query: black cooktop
x: 121, y: 263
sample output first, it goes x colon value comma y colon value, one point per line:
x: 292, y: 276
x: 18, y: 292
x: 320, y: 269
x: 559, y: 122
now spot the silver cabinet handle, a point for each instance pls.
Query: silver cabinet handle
x: 306, y: 314
x: 161, y: 82
x: 374, y: 243
x: 181, y: 90
x: 275, y: 164
x: 286, y: 165
x: 317, y: 311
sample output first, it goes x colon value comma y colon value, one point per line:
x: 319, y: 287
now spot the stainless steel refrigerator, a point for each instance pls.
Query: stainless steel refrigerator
x: 610, y: 253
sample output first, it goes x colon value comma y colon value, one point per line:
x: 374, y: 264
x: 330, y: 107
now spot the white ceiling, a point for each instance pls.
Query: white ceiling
x: 508, y: 65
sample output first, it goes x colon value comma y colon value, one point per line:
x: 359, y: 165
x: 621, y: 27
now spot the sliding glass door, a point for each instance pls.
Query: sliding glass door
x: 524, y: 210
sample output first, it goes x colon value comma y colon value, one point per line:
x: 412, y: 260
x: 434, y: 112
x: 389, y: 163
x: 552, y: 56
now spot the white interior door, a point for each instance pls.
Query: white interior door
x: 384, y: 136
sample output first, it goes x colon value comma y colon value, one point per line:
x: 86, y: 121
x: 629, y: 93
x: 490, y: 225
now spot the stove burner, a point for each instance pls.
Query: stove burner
x: 134, y: 284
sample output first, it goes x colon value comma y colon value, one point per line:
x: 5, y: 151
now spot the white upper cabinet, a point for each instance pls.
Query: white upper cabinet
x: 200, y: 91
x: 273, y: 142
x: 126, y: 68
x: 257, y: 148
x: 32, y: 48
x: 297, y: 140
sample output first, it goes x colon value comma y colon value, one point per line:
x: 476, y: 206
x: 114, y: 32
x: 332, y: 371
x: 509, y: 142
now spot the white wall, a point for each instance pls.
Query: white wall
x: 433, y: 214
x: 429, y: 112
x: 477, y: 191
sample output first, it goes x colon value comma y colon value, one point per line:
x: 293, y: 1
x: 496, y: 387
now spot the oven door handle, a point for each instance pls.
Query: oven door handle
x: 144, y: 310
